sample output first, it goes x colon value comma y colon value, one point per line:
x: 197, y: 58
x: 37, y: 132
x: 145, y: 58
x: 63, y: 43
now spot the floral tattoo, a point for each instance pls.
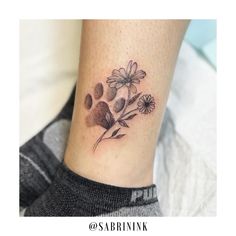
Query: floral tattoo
x: 124, y: 109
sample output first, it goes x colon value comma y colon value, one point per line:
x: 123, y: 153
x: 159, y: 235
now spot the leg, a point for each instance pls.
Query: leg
x: 154, y: 45
x: 125, y: 74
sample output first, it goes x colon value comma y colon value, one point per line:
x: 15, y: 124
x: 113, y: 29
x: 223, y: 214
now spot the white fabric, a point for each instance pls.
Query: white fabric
x: 49, y: 55
x: 185, y: 170
x: 186, y: 154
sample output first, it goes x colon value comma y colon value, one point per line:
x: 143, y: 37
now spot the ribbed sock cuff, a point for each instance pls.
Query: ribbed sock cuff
x: 74, y: 195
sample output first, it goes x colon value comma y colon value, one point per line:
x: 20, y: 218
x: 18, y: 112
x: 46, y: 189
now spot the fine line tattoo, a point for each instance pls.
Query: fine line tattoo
x: 101, y: 114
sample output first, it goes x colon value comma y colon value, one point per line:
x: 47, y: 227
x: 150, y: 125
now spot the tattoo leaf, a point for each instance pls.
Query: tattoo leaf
x: 120, y: 136
x: 130, y: 117
x: 115, y: 132
x: 133, y: 99
x: 123, y: 123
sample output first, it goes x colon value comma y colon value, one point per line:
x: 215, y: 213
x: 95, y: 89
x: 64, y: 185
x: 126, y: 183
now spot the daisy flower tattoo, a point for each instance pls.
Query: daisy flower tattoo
x: 128, y: 77
x: 114, y: 114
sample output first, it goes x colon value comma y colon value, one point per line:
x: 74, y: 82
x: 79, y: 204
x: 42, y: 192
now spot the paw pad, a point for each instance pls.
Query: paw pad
x: 100, y: 114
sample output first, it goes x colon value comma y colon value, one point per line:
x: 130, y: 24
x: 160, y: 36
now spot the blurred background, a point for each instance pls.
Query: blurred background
x: 201, y: 34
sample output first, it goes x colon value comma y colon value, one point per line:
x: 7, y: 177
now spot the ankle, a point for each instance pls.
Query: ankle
x: 115, y: 172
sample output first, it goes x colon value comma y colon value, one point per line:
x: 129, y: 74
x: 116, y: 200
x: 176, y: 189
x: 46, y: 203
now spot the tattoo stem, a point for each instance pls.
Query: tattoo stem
x: 121, y: 116
x: 126, y: 105
x: 100, y: 138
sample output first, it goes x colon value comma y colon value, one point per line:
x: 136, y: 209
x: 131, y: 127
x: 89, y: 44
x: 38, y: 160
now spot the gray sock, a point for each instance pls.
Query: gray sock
x: 73, y: 195
x: 41, y: 155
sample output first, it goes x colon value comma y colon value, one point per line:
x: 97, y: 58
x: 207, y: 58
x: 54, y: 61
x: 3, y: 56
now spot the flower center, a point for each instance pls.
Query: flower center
x: 128, y: 80
x: 146, y: 104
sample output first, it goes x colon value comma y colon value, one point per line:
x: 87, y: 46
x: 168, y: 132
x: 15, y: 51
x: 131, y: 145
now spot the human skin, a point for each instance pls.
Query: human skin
x: 107, y: 45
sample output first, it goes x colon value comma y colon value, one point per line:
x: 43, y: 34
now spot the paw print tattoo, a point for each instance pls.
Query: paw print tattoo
x: 123, y: 109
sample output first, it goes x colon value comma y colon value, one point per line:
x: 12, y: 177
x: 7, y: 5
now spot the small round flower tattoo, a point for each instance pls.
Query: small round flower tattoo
x: 146, y: 104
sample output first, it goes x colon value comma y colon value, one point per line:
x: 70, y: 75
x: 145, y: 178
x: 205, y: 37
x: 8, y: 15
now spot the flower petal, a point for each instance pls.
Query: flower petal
x: 112, y: 77
x: 149, y: 97
x: 136, y: 81
x: 133, y: 69
x: 140, y: 104
x: 118, y: 80
x: 140, y: 74
x: 116, y: 73
x: 129, y: 67
x: 110, y: 80
x: 119, y: 85
x: 112, y: 84
x: 123, y: 73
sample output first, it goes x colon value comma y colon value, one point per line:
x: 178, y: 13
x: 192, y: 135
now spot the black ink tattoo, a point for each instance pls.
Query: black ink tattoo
x: 101, y: 114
